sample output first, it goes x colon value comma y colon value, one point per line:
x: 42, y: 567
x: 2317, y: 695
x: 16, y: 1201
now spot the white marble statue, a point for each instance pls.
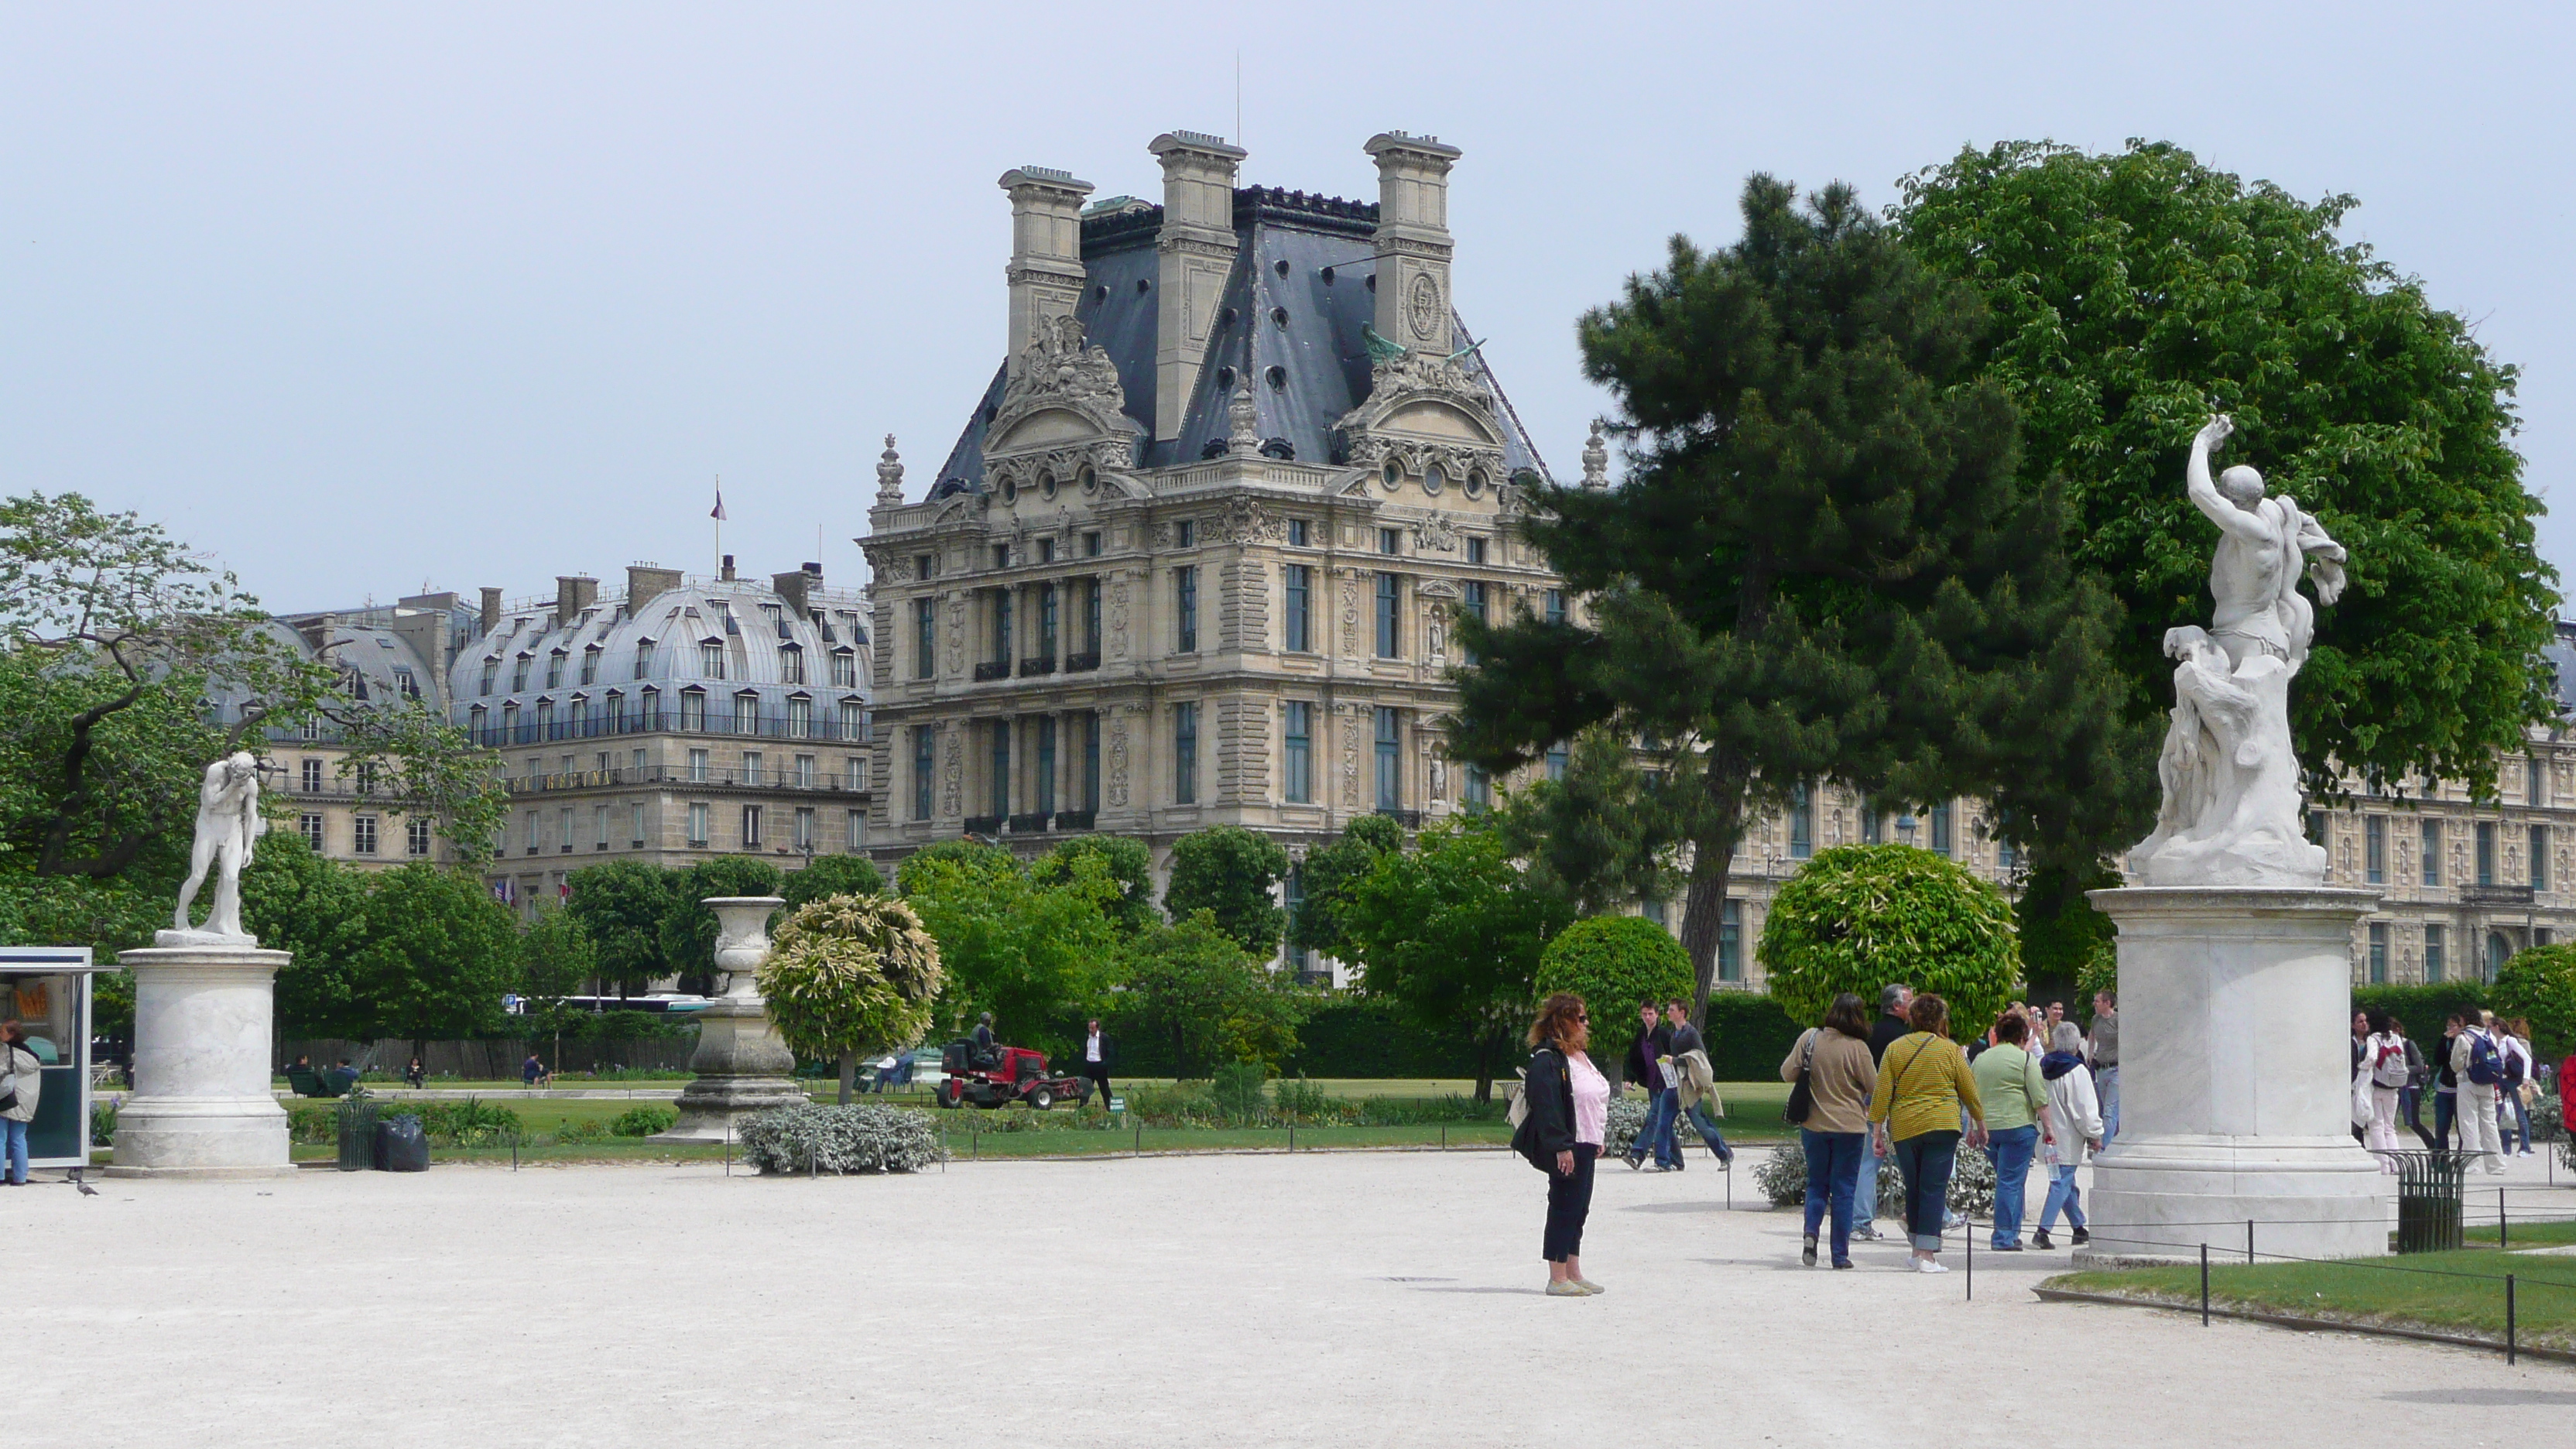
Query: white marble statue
x: 228, y: 826
x: 2231, y: 781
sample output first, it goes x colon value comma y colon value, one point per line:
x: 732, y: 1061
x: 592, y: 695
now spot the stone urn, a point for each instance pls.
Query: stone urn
x: 741, y: 1064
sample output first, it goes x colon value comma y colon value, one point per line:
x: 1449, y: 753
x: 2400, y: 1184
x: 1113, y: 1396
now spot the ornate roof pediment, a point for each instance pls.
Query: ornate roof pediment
x: 1417, y: 396
x: 1063, y: 393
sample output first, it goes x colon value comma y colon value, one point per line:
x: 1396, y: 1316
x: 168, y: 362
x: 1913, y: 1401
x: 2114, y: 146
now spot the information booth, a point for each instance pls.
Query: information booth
x: 47, y: 989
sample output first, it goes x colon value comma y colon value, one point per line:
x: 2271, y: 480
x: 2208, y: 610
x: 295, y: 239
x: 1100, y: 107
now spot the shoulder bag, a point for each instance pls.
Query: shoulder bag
x: 1802, y: 1097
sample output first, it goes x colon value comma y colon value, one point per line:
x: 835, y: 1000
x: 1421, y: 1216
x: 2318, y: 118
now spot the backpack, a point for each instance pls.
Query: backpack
x: 2513, y: 1068
x: 2486, y: 1064
x: 2388, y: 1068
x: 1517, y: 1111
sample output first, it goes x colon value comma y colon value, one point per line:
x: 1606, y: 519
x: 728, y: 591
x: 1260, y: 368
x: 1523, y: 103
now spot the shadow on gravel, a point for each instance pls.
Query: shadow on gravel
x: 1511, y: 1292
x: 2469, y: 1398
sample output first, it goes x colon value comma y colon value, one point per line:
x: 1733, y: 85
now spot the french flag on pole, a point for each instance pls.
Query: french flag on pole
x: 718, y: 512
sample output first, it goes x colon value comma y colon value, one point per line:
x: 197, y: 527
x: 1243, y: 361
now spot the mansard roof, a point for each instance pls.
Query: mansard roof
x: 1289, y: 323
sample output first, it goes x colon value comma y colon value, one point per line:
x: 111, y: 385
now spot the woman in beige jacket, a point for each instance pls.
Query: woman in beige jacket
x: 1841, y: 1075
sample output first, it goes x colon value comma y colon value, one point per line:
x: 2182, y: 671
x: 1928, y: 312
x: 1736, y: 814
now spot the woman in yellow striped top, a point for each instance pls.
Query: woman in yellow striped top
x: 1925, y: 1093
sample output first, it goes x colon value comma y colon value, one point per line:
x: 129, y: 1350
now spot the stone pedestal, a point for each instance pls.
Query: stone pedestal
x: 2235, y: 1079
x: 202, y: 1105
x: 741, y: 1064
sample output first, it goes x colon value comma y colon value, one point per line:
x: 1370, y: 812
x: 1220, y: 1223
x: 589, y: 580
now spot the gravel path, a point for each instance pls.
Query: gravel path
x: 1325, y: 1300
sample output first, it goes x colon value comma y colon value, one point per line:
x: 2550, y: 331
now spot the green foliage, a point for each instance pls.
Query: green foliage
x: 1299, y: 1098
x: 643, y: 1121
x: 1237, y: 1088
x: 1599, y: 837
x: 1823, y: 561
x: 1614, y: 963
x: 688, y: 929
x: 1231, y: 873
x: 1747, y: 1035
x: 1130, y: 863
x: 1193, y: 985
x: 832, y: 875
x: 1451, y: 931
x: 1031, y: 954
x: 2139, y: 292
x: 1329, y: 873
x: 2540, y: 985
x: 851, y: 974
x: 294, y: 900
x: 2422, y: 1008
x: 1860, y: 916
x: 102, y: 1123
x: 556, y: 960
x: 470, y: 1123
x: 2100, y: 972
x: 438, y: 955
x: 864, y: 1138
x: 621, y: 907
x: 2060, y: 931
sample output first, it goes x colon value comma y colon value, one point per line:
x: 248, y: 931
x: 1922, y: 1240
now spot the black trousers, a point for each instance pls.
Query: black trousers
x: 1569, y: 1202
x: 1098, y: 1073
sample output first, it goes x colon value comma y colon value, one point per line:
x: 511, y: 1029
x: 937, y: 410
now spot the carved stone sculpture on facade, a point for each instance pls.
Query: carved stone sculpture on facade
x: 2231, y: 814
x: 229, y: 826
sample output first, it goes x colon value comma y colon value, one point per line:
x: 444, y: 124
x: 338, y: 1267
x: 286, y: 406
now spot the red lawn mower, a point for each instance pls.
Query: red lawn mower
x: 1003, y: 1075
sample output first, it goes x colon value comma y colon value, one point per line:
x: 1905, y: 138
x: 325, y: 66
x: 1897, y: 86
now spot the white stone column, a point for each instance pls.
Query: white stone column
x: 741, y: 1064
x: 2235, y: 1079
x: 202, y: 1104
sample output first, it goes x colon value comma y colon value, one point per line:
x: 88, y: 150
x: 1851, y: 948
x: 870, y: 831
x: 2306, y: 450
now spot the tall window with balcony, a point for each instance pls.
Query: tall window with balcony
x: 925, y: 637
x: 1802, y: 821
x: 1091, y: 761
x: 1046, y: 621
x: 2486, y: 853
x: 2433, y: 946
x: 2537, y: 791
x: 2431, y: 853
x: 554, y: 669
x: 1299, y: 777
x: 1390, y: 617
x: 1389, y: 734
x: 643, y: 658
x: 1472, y: 604
x: 1944, y: 838
x: 1001, y: 768
x: 2539, y: 857
x: 546, y: 720
x: 804, y: 772
x: 635, y: 823
x: 803, y: 840
x: 1185, y: 754
x: 1185, y: 608
x: 751, y: 827
x: 1555, y: 606
x: 1730, y: 941
x: 416, y: 837
x: 698, y: 825
x: 363, y: 836
x: 311, y: 826
x: 2374, y: 849
x: 312, y: 776
x: 800, y: 717
x: 1477, y: 791
x: 519, y: 674
x: 491, y: 667
x: 854, y: 721
x: 845, y: 669
x: 925, y: 769
x: 754, y: 768
x: 1296, y: 628
x: 2379, y: 953
x: 1044, y: 799
x: 746, y: 713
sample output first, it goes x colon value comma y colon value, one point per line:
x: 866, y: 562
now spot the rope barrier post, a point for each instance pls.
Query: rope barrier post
x: 1444, y: 1136
x: 1140, y: 1133
x: 2503, y: 1228
x: 728, y: 1149
x: 2249, y: 1242
x: 2204, y: 1285
x: 2510, y: 1348
x: 1969, y: 1225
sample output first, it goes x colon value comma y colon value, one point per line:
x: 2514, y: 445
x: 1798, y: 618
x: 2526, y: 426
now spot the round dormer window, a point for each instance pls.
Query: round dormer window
x: 1392, y: 475
x: 1089, y: 480
x: 1010, y: 490
x: 1474, y: 487
x: 1046, y: 484
x: 1434, y: 478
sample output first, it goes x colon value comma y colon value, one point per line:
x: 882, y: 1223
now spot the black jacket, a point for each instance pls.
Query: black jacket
x: 1888, y: 1029
x: 1641, y: 1067
x: 1550, y: 1094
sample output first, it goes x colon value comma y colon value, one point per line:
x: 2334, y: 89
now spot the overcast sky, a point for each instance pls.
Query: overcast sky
x: 362, y: 297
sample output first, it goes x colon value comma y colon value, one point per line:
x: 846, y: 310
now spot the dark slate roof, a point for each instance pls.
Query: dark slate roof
x: 1294, y: 334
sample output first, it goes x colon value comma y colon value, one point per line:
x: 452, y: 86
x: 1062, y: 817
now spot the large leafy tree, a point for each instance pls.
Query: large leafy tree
x: 1231, y: 873
x: 2134, y: 294
x: 439, y: 954
x: 689, y: 927
x: 1451, y: 931
x: 1823, y: 562
x: 1192, y: 983
x: 621, y: 906
x: 1035, y: 955
x: 294, y: 900
x: 557, y: 960
x: 1599, y: 837
x: 1130, y: 863
x: 832, y: 875
x: 1327, y: 876
x: 848, y: 974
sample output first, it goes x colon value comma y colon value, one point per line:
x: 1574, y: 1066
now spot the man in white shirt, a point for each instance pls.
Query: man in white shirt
x: 1096, y: 1052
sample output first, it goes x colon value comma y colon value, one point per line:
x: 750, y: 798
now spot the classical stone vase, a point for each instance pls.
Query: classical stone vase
x: 202, y: 1104
x: 742, y: 1066
x: 2235, y: 1079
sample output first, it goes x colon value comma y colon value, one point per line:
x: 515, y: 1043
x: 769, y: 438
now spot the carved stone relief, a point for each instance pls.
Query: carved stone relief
x: 952, y: 777
x: 1350, y: 723
x: 1118, y: 616
x: 1246, y: 521
x: 956, y: 634
x: 1439, y: 531
x: 1118, y: 759
x: 1351, y: 616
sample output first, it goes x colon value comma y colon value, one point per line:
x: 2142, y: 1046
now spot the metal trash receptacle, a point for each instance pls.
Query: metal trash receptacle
x: 401, y: 1145
x: 357, y: 1134
x: 2428, y: 1200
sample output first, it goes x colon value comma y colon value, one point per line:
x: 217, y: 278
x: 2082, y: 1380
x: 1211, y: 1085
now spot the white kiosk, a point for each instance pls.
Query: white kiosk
x: 47, y: 990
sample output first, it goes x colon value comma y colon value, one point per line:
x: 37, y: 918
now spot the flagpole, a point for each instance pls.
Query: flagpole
x: 718, y: 516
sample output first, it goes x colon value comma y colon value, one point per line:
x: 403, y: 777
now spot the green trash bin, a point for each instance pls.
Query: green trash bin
x: 2428, y: 1200
x: 357, y: 1133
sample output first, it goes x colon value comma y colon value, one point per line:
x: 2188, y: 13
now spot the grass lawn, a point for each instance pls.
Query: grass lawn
x: 2525, y: 1235
x: 2375, y: 1291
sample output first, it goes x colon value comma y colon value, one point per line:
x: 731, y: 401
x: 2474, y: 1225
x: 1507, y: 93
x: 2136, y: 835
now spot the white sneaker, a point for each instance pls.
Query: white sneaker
x: 1929, y: 1265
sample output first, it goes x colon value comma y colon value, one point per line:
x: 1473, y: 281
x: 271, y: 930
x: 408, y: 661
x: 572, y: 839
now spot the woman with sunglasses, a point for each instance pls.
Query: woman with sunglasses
x: 1569, y: 1114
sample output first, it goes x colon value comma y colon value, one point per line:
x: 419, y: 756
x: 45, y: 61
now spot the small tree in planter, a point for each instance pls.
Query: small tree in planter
x: 1861, y: 916
x: 850, y: 974
x: 1614, y: 963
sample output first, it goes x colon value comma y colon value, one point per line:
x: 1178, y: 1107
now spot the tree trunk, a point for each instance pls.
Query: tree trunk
x: 849, y: 1076
x: 1712, y: 861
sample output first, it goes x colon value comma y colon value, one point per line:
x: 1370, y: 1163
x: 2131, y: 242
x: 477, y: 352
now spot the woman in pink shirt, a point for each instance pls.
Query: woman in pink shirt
x: 1569, y: 1114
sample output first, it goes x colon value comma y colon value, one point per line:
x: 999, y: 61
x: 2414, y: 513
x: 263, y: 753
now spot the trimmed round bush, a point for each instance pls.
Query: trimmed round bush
x: 850, y: 974
x: 2540, y: 984
x: 862, y: 1137
x: 1615, y: 963
x: 1860, y: 916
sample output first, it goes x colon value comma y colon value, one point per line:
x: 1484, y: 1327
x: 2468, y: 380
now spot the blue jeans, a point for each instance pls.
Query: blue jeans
x: 1926, y: 1160
x: 17, y: 1139
x: 1833, y: 1166
x: 2062, y: 1192
x: 1865, y: 1191
x: 1700, y: 1121
x: 2446, y: 1106
x: 2106, y: 1086
x: 2512, y: 1099
x: 1656, y: 1135
x: 2011, y: 1148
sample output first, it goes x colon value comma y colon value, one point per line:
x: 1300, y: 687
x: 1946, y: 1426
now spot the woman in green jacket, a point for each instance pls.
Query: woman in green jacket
x: 1924, y: 1092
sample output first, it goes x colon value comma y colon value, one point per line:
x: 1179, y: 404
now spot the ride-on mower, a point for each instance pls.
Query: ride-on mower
x: 1002, y: 1076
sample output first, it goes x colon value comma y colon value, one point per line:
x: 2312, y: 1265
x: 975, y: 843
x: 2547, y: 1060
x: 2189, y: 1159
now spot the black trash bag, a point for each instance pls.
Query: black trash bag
x: 401, y: 1146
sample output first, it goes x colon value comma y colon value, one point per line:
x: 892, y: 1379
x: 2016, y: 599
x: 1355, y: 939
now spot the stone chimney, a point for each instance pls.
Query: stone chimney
x: 573, y: 593
x: 1195, y: 252
x: 1413, y: 242
x: 797, y: 588
x: 645, y: 583
x: 725, y: 573
x: 1046, y: 250
x: 491, y: 609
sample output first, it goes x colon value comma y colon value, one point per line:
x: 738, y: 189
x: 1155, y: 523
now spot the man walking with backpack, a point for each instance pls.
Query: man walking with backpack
x: 2479, y: 1063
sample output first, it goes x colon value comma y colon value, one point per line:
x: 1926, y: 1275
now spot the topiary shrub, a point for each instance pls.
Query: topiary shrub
x: 1614, y: 963
x: 1858, y: 917
x: 849, y: 974
x: 2540, y: 986
x: 865, y: 1137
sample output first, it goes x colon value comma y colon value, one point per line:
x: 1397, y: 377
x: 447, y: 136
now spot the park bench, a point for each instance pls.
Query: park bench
x: 310, y: 1083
